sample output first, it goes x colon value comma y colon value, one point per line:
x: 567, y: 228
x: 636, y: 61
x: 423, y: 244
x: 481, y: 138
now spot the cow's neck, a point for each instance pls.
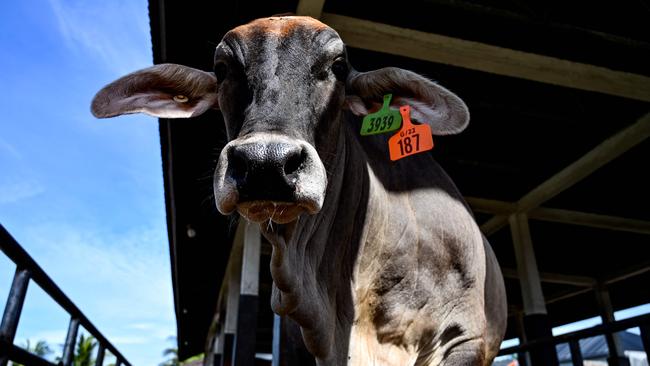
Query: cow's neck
x: 314, y: 258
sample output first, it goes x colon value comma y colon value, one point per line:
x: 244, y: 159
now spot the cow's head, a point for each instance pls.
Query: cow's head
x: 281, y: 84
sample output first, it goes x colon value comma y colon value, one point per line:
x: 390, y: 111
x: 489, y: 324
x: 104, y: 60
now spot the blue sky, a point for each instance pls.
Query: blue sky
x: 83, y: 196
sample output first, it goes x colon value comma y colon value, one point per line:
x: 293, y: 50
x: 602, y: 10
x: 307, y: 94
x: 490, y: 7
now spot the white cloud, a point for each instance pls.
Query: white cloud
x: 106, y: 31
x: 123, y: 340
x: 120, y: 280
x: 133, y: 262
x: 142, y: 326
x: 53, y: 337
x: 13, y: 191
x: 17, y: 181
x: 9, y: 149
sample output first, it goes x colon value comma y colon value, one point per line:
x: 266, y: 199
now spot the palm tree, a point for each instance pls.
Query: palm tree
x: 171, y: 353
x: 84, y: 352
x: 41, y: 349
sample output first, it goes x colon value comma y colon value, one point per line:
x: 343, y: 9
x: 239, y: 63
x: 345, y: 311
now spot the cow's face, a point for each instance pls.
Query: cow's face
x: 281, y: 84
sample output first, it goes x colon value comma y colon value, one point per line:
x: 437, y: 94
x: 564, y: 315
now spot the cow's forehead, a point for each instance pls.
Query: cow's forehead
x: 283, y: 26
x: 266, y: 40
x: 298, y: 31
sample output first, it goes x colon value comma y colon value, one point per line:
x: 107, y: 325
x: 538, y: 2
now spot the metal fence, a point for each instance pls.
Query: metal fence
x: 27, y: 269
x: 573, y: 339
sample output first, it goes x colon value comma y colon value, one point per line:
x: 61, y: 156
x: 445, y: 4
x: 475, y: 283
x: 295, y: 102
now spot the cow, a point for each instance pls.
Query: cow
x: 378, y: 262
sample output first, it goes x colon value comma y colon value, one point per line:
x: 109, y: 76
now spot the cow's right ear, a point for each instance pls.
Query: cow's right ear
x: 165, y: 90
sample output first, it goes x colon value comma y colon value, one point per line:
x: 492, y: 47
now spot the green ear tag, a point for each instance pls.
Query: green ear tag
x: 382, y: 121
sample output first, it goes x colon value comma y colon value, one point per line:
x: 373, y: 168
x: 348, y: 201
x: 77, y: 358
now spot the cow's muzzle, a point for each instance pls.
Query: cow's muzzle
x: 269, y: 177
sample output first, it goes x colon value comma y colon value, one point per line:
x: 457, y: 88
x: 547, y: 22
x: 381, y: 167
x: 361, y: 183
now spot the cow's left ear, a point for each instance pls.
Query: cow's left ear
x: 165, y: 90
x: 430, y: 103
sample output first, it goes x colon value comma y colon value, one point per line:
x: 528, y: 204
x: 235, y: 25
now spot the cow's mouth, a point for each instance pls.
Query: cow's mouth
x: 278, y: 212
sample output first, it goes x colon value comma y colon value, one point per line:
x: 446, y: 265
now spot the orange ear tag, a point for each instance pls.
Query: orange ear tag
x: 411, y: 139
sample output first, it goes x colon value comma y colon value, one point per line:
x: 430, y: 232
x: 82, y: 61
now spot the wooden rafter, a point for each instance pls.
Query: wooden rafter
x: 590, y: 219
x: 567, y: 295
x: 626, y: 273
x: 607, y: 151
x: 494, y: 224
x: 562, y: 216
x: 602, y: 154
x: 489, y: 206
x: 611, y: 279
x: 488, y: 58
x: 312, y: 8
x: 563, y: 279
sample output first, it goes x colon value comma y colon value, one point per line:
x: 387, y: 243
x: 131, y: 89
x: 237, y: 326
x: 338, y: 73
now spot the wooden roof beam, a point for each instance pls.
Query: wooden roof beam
x: 590, y: 220
x: 562, y: 216
x: 602, y: 154
x: 626, y: 273
x: 312, y: 8
x: 623, y: 275
x: 489, y: 206
x: 494, y: 224
x: 567, y: 295
x: 563, y: 279
x: 425, y: 46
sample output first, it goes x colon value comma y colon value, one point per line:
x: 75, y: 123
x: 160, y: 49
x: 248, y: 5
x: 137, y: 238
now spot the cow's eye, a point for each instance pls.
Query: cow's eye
x: 340, y: 68
x: 220, y: 70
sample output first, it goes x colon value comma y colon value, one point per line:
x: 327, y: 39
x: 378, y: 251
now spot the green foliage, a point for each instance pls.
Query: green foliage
x: 40, y: 349
x: 85, y: 351
x: 83, y: 355
x: 192, y: 359
x: 171, y: 354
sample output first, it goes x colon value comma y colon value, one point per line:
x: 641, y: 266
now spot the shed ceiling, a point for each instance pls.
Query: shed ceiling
x: 522, y: 132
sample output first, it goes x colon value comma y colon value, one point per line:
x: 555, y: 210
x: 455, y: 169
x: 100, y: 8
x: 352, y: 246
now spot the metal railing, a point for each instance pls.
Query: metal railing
x: 27, y: 269
x: 573, y: 338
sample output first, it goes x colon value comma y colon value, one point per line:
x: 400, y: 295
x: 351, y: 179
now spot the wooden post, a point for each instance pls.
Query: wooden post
x: 616, y: 354
x: 645, y: 337
x: 576, y: 354
x: 233, y: 278
x: 214, y: 351
x: 523, y: 358
x: 535, y: 320
x: 275, y: 344
x: 531, y: 286
x: 244, y: 346
x: 288, y: 346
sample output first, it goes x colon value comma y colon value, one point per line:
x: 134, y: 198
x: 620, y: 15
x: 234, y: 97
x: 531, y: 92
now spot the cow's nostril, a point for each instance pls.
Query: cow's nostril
x: 238, y: 164
x: 294, y: 162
